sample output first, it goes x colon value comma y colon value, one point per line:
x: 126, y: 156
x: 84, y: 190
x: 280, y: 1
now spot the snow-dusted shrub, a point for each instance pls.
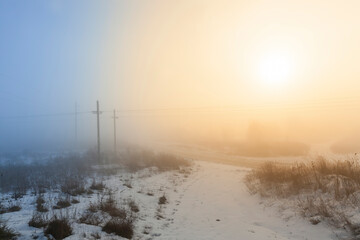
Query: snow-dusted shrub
x: 38, y: 220
x: 6, y: 232
x: 59, y: 228
x: 62, y: 203
x: 109, y: 206
x: 40, y: 204
x: 12, y: 208
x: 120, y: 227
x: 97, y: 185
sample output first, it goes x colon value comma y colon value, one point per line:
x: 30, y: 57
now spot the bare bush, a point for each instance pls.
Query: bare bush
x: 11, y: 208
x: 97, y: 185
x: 59, y: 228
x: 62, y: 203
x: 40, y: 204
x: 38, y: 220
x: 14, y: 208
x: 162, y: 199
x: 111, y: 208
x: 120, y: 227
x: 6, y: 232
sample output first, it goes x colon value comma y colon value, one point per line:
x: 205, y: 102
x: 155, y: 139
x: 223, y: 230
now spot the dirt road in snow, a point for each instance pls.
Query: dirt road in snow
x: 214, y: 204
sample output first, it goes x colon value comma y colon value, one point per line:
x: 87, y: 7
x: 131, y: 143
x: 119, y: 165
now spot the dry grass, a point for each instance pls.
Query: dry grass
x: 38, y: 220
x: 6, y: 232
x: 13, y: 208
x: 138, y: 160
x: 97, y: 185
x: 120, y: 227
x: 42, y: 176
x: 73, y: 186
x: 162, y: 200
x: 340, y: 178
x: 322, y: 188
x: 40, y: 204
x: 107, y: 204
x: 59, y: 228
x: 62, y: 203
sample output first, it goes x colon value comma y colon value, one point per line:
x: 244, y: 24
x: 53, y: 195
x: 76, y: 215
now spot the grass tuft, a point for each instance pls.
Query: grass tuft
x: 120, y: 227
x: 59, y: 228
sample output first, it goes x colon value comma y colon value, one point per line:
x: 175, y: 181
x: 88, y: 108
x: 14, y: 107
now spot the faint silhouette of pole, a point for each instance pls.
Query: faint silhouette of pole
x: 97, y: 112
x: 114, y: 117
x: 76, y: 125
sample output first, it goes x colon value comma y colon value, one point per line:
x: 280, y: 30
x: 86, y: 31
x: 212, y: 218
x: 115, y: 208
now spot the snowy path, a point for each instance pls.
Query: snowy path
x: 214, y: 204
x: 211, y: 202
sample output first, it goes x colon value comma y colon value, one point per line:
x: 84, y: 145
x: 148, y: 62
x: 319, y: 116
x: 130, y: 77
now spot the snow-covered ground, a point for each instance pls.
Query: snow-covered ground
x: 215, y: 204
x: 210, y: 202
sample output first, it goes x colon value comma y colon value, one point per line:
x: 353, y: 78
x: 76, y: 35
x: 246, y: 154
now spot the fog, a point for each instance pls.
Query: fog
x: 189, y: 72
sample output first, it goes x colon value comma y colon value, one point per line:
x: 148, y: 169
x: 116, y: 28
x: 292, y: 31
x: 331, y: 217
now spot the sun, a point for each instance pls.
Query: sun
x: 275, y: 68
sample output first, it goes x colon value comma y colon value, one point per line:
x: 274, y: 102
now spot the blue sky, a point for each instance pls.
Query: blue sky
x: 48, y: 50
x: 50, y: 53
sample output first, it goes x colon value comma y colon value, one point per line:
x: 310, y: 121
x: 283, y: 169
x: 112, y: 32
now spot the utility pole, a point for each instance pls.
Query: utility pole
x: 97, y: 112
x: 76, y: 125
x: 114, y: 117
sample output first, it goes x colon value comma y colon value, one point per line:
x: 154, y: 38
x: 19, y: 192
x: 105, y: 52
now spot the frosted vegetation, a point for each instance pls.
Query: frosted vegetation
x: 322, y: 190
x: 73, y: 195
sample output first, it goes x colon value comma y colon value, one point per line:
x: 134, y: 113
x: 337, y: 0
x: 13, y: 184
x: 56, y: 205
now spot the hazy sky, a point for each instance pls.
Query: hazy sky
x: 291, y: 65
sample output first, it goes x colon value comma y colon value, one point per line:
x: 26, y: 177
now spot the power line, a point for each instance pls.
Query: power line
x: 324, y: 104
x: 44, y: 115
x: 344, y: 102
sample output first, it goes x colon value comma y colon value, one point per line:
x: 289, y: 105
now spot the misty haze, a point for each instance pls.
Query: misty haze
x: 193, y: 119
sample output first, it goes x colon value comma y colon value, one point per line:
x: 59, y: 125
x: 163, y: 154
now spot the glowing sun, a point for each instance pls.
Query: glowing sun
x: 275, y: 68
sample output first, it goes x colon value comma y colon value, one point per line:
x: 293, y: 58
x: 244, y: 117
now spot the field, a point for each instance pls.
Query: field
x: 144, y: 195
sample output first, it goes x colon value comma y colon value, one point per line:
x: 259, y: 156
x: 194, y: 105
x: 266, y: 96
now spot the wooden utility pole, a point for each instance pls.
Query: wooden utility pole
x: 97, y: 112
x: 114, y: 117
x: 76, y: 124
